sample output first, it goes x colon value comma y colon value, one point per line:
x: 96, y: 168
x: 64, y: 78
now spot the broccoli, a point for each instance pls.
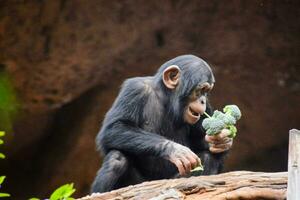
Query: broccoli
x: 198, y: 168
x: 218, y: 121
x: 227, y: 119
x: 233, y: 110
x: 232, y: 130
x: 213, y: 125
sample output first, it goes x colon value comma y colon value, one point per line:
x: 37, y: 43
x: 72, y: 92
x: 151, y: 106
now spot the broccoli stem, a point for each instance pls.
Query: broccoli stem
x: 207, y: 115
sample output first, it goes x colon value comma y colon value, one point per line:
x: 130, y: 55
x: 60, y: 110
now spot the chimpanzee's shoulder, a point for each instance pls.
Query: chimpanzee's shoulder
x: 141, y: 85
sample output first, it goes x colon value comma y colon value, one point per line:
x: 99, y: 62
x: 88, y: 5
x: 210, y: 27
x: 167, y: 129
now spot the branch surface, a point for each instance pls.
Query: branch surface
x: 226, y: 186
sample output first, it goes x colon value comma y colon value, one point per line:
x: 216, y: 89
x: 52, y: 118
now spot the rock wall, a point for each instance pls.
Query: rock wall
x: 68, y: 58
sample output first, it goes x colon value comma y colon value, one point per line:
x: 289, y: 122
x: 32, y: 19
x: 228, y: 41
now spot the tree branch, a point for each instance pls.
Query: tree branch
x: 229, y: 186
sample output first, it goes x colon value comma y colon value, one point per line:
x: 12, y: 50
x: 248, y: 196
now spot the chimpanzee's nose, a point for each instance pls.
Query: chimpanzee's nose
x: 199, y: 106
x: 202, y: 100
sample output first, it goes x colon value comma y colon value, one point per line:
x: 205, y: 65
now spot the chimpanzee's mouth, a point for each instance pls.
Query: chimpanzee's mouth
x: 195, y: 114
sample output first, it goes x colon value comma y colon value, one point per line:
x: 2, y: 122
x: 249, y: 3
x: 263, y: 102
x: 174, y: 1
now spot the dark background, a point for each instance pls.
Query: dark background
x: 67, y: 60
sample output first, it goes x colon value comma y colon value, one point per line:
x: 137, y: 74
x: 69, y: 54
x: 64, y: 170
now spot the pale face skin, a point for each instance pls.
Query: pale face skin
x: 197, y: 103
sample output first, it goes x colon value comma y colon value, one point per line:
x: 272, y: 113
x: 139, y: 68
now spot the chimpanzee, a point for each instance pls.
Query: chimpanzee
x: 153, y: 130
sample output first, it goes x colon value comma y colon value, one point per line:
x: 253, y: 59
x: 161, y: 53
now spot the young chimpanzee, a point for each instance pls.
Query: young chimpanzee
x: 153, y: 130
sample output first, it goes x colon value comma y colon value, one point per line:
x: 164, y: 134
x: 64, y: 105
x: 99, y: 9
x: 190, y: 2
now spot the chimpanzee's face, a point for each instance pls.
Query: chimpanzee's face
x: 196, y: 105
x: 179, y: 81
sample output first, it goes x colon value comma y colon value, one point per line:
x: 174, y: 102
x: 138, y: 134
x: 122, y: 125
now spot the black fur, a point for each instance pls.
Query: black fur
x: 145, y: 124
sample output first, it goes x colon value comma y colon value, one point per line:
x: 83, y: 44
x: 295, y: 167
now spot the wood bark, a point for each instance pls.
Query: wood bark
x: 294, y: 166
x: 229, y: 186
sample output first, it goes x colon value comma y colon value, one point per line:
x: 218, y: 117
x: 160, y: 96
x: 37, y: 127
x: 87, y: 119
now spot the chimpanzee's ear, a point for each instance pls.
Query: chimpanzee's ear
x: 171, y: 76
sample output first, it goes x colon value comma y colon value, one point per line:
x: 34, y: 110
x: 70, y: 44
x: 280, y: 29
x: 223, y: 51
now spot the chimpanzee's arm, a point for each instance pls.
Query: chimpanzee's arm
x: 125, y: 137
x: 121, y: 127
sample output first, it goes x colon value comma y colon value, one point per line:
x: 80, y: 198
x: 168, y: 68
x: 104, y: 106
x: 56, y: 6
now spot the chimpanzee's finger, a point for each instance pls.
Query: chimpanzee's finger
x: 195, y: 156
x: 187, y: 165
x: 216, y: 150
x: 199, y: 162
x: 209, y: 139
x: 224, y: 141
x: 222, y: 137
x: 193, y: 161
x: 223, y: 134
x: 179, y: 166
x: 213, y: 140
x: 225, y: 146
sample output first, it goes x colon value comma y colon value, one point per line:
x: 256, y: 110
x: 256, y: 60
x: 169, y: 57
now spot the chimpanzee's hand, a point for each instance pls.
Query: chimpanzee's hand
x: 184, y: 159
x: 220, y: 142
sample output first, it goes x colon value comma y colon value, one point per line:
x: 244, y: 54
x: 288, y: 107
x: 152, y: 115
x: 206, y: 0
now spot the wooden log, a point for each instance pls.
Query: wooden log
x: 294, y: 166
x: 229, y: 186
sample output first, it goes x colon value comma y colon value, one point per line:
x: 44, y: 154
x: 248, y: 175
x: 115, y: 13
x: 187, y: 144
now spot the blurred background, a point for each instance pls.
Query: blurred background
x: 63, y: 62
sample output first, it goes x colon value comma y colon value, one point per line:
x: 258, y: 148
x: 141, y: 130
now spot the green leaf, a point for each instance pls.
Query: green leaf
x: 2, y: 155
x: 2, y: 179
x: 2, y: 133
x: 63, y: 192
x: 199, y: 168
x: 33, y: 198
x: 1, y: 141
x: 4, y: 195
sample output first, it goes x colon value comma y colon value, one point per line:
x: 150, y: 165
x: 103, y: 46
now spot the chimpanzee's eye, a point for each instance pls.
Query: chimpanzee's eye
x: 201, y: 90
x: 198, y: 92
x: 204, y: 90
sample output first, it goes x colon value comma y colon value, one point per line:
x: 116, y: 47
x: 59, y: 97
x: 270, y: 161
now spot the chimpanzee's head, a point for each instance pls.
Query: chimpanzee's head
x: 187, y: 80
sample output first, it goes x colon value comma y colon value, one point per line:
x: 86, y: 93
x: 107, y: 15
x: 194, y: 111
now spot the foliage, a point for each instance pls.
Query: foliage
x: 9, y: 104
x: 2, y: 133
x: 62, y: 193
x: 3, y: 194
x: 218, y: 121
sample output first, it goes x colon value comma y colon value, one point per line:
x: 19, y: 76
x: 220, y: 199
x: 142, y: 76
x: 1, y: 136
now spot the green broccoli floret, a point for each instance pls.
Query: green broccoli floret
x: 227, y: 119
x: 213, y: 125
x: 218, y: 121
x: 207, y: 122
x: 233, y: 110
x: 216, y: 114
